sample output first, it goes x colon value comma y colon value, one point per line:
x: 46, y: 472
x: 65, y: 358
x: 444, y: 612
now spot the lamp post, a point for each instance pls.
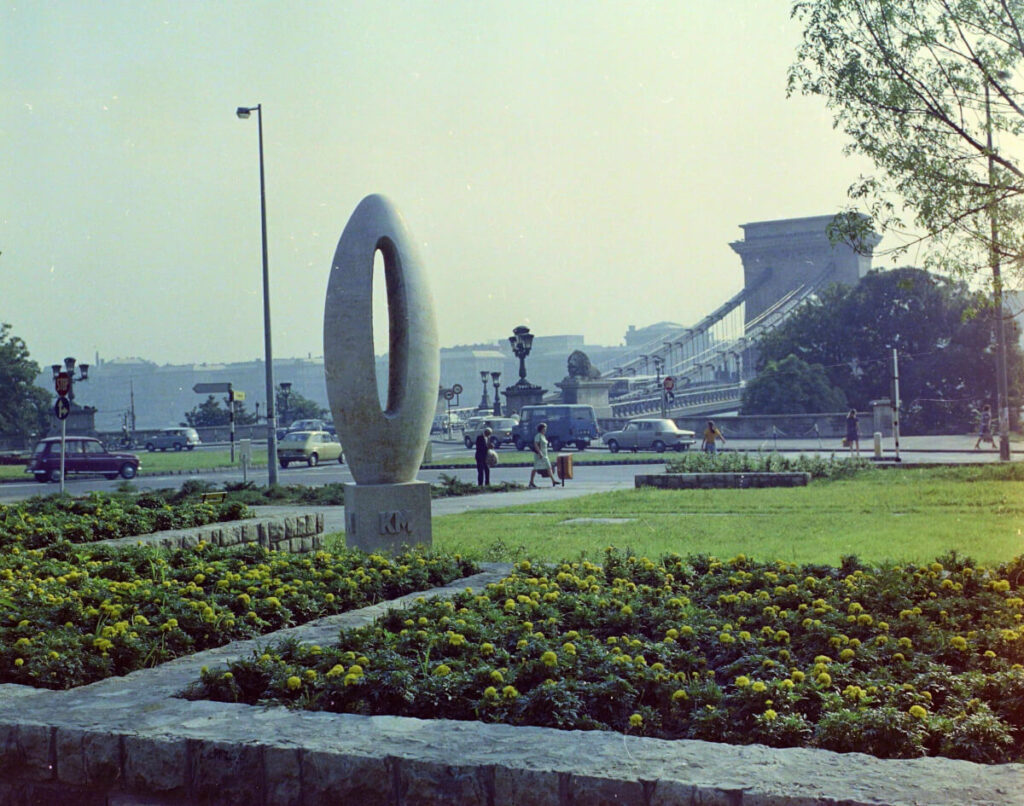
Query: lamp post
x: 497, y: 400
x: 1002, y: 402
x: 69, y: 367
x: 521, y: 341
x: 485, y: 404
x: 244, y: 112
x: 286, y: 390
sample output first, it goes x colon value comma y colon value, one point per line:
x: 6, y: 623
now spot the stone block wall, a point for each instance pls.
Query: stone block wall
x: 295, y: 533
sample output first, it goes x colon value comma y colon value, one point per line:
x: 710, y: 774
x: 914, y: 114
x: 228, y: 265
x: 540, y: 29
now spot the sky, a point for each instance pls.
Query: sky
x: 578, y: 167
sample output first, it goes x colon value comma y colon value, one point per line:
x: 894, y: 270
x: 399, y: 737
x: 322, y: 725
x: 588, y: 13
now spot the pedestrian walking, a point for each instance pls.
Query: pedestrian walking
x: 985, y: 431
x: 541, y: 462
x: 483, y: 469
x: 711, y: 436
x: 852, y: 433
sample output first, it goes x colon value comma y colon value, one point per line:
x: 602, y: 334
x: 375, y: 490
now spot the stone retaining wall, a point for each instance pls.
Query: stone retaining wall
x: 711, y: 481
x: 131, y: 741
x: 295, y: 533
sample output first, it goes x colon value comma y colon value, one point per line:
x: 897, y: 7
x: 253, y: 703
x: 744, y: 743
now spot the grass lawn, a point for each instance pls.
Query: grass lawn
x: 164, y: 462
x: 901, y: 515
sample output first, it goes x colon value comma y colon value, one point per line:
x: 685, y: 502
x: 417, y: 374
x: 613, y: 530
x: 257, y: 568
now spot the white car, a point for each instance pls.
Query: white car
x: 649, y: 435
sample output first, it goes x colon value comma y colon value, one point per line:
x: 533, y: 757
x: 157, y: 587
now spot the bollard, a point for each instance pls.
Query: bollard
x: 878, y: 444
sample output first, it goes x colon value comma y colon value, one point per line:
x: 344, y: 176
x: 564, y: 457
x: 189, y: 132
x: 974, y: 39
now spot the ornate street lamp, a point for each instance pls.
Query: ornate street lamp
x: 69, y: 367
x: 244, y: 112
x: 485, y: 404
x: 497, y: 400
x: 521, y: 341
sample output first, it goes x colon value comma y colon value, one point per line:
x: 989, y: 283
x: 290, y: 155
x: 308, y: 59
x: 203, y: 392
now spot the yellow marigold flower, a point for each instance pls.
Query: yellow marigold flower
x: 824, y: 679
x: 491, y: 693
x: 679, y: 695
x: 442, y: 670
x: 336, y: 671
x: 686, y: 630
x: 549, y: 658
x: 770, y: 714
x: 569, y: 648
x: 958, y: 642
x: 509, y: 692
x: 487, y: 649
x: 742, y: 681
x: 726, y: 638
x: 672, y: 633
x: 798, y: 676
x: 19, y: 661
x: 898, y: 656
x: 847, y: 654
x: 917, y: 712
x: 759, y: 687
x: 496, y: 676
x: 989, y: 653
x: 635, y: 720
x: 294, y: 683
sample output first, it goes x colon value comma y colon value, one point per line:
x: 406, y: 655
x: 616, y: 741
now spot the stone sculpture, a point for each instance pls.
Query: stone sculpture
x: 386, y: 507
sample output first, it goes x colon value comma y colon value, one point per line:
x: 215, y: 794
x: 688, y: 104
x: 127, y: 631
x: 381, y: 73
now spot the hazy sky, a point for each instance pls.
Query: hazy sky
x: 577, y: 166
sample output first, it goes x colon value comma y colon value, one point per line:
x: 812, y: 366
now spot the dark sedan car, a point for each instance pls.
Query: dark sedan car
x: 84, y: 455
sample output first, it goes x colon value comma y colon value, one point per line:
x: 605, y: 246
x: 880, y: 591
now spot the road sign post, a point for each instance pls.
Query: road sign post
x: 667, y: 386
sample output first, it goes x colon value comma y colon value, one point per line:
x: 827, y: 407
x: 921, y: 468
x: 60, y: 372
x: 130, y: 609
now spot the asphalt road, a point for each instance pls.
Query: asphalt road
x: 925, y: 450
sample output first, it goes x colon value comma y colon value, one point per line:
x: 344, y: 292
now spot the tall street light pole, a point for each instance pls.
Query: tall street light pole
x: 1002, y: 385
x: 244, y: 112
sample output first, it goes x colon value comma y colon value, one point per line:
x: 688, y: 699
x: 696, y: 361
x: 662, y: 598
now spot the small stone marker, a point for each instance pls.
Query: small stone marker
x: 386, y: 508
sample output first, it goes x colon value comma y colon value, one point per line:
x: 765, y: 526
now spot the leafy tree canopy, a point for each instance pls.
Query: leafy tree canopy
x: 295, y: 406
x: 792, y: 386
x: 945, y: 355
x: 24, y: 407
x: 915, y: 85
x: 211, y: 412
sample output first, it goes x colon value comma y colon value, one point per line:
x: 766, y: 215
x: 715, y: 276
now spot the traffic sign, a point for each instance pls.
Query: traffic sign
x: 457, y: 388
x: 62, y: 383
x: 449, y: 394
x: 237, y: 395
x: 669, y: 383
x: 211, y: 388
x: 62, y: 408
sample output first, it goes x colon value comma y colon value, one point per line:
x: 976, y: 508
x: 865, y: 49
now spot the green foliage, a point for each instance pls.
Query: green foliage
x: 24, y: 407
x: 947, y: 369
x: 41, y: 522
x: 901, y: 661
x: 294, y: 406
x: 791, y: 386
x: 914, y: 85
x: 212, y: 413
x: 820, y: 467
x: 75, y: 614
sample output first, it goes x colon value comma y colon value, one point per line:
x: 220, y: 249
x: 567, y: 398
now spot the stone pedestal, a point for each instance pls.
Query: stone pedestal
x: 881, y: 416
x: 388, y: 517
x: 519, y: 395
x: 589, y: 392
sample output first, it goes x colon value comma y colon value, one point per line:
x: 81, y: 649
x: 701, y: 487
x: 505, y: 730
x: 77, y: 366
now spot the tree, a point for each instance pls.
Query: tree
x: 792, y: 386
x: 211, y: 413
x: 918, y: 86
x: 24, y: 407
x: 946, y: 371
x: 294, y: 406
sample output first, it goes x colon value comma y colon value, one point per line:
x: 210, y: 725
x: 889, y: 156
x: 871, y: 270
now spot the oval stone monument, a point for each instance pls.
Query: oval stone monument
x: 386, y: 507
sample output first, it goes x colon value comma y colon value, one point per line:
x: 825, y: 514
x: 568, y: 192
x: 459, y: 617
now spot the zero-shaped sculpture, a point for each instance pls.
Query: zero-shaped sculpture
x: 384, y: 449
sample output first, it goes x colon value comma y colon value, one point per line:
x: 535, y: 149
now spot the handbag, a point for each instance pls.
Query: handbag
x: 492, y: 458
x: 846, y: 442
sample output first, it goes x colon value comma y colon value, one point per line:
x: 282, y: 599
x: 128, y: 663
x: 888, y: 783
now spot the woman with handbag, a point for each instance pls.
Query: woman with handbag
x: 541, y: 462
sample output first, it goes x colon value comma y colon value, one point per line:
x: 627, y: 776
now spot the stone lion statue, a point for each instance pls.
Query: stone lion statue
x: 580, y: 367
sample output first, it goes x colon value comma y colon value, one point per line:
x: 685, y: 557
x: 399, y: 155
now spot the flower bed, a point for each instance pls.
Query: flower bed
x: 897, y: 661
x: 74, y: 614
x: 42, y: 522
x: 820, y: 467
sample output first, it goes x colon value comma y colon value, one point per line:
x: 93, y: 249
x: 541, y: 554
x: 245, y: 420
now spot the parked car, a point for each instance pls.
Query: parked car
x: 649, y: 435
x: 501, y: 428
x: 568, y: 424
x: 176, y: 438
x: 82, y: 455
x: 311, y: 447
x: 312, y: 425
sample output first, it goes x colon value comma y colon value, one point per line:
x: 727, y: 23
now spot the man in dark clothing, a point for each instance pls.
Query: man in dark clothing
x: 483, y: 470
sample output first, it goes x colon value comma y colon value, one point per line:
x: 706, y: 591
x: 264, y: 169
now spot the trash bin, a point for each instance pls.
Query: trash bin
x: 564, y: 467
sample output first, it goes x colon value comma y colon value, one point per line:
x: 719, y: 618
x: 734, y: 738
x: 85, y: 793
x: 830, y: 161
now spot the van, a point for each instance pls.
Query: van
x: 176, y: 438
x: 568, y: 424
